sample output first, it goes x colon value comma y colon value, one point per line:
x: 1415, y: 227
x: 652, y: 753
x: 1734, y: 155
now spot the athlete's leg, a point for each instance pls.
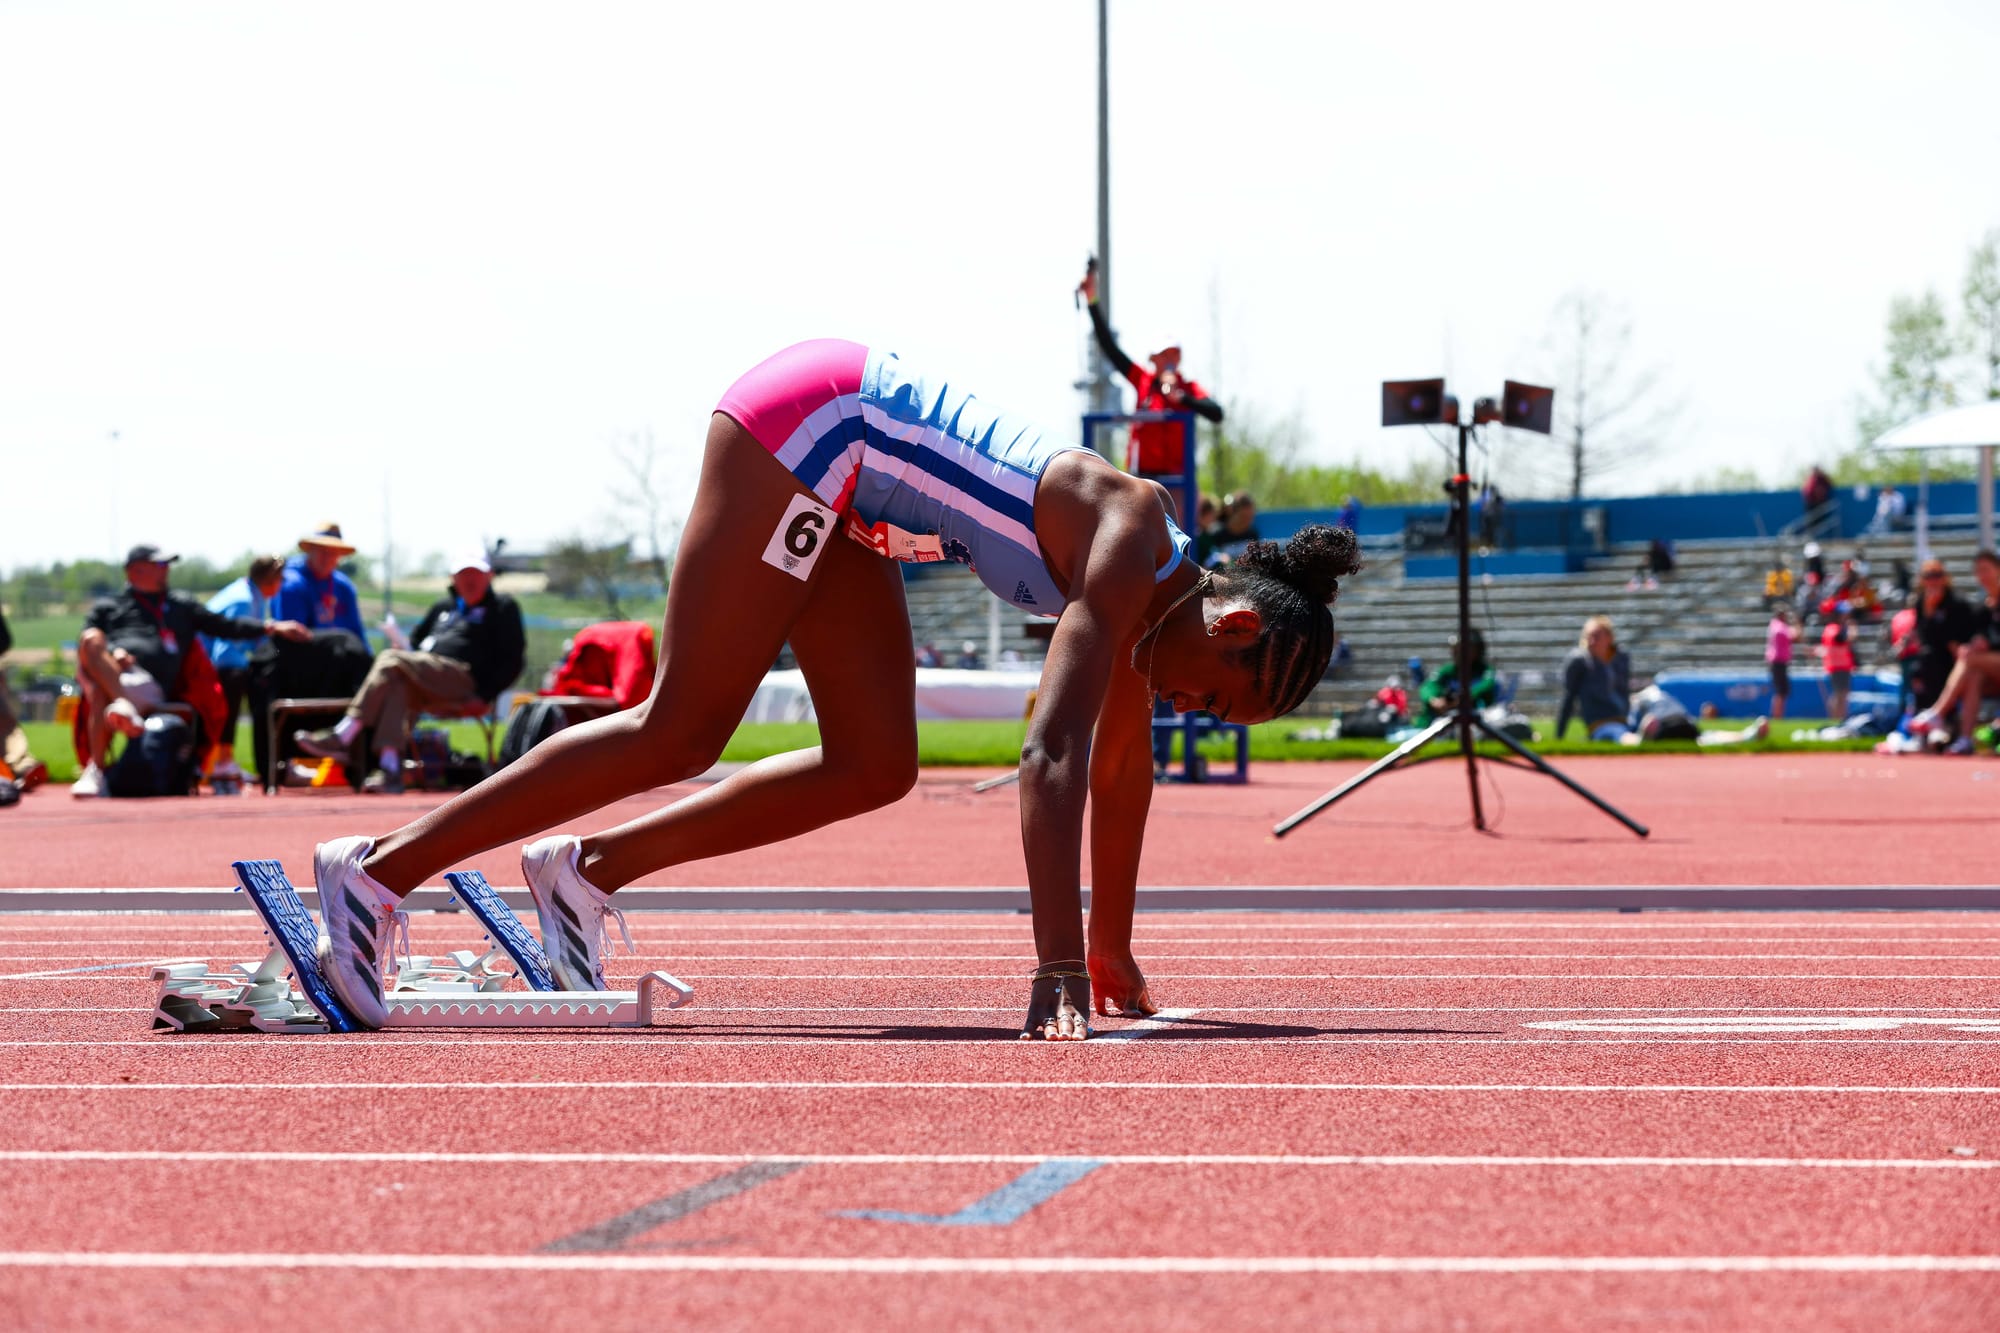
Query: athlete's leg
x: 728, y: 614
x: 853, y: 645
x: 1977, y: 676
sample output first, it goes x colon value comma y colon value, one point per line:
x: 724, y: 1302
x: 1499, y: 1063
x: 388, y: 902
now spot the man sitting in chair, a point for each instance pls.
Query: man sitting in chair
x: 468, y: 647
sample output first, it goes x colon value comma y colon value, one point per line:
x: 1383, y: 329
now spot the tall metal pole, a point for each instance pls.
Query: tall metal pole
x: 1103, y: 396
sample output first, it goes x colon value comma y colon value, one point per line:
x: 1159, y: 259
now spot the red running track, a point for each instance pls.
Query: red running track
x: 1383, y: 1122
x: 1776, y: 819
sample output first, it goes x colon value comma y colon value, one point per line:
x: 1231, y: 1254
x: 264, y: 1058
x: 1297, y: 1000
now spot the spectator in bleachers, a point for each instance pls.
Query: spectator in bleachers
x: 1597, y: 684
x: 927, y: 655
x: 1206, y: 511
x: 1944, y: 625
x: 139, y: 650
x: 1439, y: 693
x: 17, y: 762
x: 1779, y: 637
x: 1816, y: 492
x: 1906, y: 649
x: 1890, y: 508
x: 1836, y: 654
x: 252, y: 597
x: 1232, y: 534
x: 1976, y: 674
x: 968, y: 656
x: 1658, y: 560
x: 468, y: 647
x: 1350, y: 514
x: 1854, y: 590
x: 1492, y: 514
x: 315, y: 593
x: 1779, y: 584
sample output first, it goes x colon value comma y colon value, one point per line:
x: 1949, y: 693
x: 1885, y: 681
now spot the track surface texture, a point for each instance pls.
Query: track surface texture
x: 1379, y: 1121
x: 1776, y: 819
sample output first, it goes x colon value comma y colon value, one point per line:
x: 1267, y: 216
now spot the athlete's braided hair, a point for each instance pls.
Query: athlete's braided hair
x: 1292, y: 586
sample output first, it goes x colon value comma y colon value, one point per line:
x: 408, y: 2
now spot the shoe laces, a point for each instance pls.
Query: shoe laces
x: 398, y: 923
x: 607, y: 910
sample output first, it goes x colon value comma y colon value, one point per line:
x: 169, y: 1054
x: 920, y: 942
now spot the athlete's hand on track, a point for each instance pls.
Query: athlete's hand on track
x: 1120, y: 987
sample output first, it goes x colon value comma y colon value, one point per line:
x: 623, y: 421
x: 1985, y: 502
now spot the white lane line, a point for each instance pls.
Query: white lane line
x: 1273, y: 1264
x: 943, y: 1085
x: 1641, y: 1009
x: 431, y: 936
x: 253, y: 1156
x: 1166, y: 1018
x: 879, y: 977
x: 65, y: 972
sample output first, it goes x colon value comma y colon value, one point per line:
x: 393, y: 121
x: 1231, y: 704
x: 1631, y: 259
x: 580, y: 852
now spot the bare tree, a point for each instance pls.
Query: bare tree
x: 1610, y: 414
x: 642, y: 501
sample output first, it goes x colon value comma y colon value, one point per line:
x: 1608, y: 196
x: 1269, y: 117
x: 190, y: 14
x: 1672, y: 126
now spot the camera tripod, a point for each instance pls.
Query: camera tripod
x: 1470, y: 725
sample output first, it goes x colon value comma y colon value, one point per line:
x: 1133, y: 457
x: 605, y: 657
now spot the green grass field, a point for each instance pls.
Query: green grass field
x: 998, y: 744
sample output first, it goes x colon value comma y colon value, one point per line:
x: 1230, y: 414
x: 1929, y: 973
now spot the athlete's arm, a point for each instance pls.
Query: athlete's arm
x: 1121, y: 792
x: 1110, y: 584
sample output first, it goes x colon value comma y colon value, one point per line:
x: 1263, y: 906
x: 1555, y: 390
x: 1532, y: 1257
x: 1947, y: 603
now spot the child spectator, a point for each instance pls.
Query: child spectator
x: 1440, y: 693
x: 248, y: 598
x: 1836, y: 651
x: 1779, y: 636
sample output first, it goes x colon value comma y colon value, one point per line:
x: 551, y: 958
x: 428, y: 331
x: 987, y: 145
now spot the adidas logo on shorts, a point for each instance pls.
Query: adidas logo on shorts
x: 1022, y: 597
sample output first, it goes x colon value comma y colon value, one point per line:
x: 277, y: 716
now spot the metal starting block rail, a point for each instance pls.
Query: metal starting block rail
x: 459, y: 990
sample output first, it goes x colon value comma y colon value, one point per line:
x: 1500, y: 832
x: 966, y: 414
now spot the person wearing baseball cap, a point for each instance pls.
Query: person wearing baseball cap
x: 138, y: 650
x: 469, y: 646
x: 314, y: 592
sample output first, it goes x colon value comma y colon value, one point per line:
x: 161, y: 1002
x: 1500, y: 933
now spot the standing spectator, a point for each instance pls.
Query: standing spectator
x: 1232, y: 535
x: 1817, y: 490
x: 1976, y: 674
x: 1492, y: 509
x: 1597, y: 684
x: 251, y: 597
x: 1350, y: 514
x: 1157, y: 447
x: 1779, y: 637
x: 1944, y: 624
x: 18, y: 764
x: 139, y: 649
x: 469, y: 646
x: 1836, y: 652
x: 315, y: 593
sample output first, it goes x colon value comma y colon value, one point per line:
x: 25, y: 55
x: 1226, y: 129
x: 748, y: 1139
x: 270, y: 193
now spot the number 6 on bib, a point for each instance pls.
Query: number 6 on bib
x: 795, y: 545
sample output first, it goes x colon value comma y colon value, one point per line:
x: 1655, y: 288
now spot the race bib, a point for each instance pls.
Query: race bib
x: 800, y: 537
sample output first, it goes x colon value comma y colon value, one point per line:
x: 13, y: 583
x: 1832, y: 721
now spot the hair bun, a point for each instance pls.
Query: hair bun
x: 1313, y: 561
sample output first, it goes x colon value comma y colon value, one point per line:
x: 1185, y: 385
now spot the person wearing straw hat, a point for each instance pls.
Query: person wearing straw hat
x: 315, y: 593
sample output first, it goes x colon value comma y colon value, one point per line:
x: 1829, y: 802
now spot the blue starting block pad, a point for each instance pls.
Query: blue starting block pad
x: 503, y: 927
x: 461, y: 990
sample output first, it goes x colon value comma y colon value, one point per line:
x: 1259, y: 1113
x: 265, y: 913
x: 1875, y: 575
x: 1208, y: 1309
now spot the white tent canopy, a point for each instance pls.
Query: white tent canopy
x: 1976, y: 426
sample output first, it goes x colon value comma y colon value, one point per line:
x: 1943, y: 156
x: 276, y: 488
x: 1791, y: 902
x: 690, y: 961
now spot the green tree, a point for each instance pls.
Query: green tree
x: 1981, y: 312
x: 1610, y: 413
x: 1915, y: 378
x: 1264, y: 455
x: 577, y: 569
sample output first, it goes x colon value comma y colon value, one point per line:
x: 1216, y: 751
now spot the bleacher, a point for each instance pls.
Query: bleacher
x: 1708, y: 614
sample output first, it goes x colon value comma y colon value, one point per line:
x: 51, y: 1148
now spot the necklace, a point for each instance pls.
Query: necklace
x: 1152, y: 635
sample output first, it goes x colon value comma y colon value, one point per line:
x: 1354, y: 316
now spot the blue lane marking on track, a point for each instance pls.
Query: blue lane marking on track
x: 1004, y: 1206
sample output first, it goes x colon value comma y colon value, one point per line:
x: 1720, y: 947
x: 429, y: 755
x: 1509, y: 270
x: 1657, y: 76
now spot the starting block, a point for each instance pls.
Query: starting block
x: 459, y: 990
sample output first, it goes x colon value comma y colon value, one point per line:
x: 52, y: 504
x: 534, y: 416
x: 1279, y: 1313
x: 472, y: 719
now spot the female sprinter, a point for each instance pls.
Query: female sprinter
x: 819, y: 462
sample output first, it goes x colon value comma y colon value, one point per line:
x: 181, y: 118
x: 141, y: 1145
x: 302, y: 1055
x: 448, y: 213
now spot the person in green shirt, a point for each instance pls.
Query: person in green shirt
x: 1439, y: 694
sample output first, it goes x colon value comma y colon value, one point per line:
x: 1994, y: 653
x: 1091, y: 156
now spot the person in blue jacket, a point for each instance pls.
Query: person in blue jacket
x: 252, y: 597
x: 315, y: 592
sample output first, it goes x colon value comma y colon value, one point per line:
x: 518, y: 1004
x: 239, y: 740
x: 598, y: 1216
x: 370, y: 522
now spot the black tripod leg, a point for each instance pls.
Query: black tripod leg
x: 1380, y: 766
x: 1542, y: 765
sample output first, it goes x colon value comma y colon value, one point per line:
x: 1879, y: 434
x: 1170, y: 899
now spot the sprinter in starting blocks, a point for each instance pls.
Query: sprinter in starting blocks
x: 459, y: 990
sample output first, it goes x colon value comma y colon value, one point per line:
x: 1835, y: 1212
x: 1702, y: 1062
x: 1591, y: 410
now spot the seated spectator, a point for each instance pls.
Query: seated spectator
x: 968, y: 656
x: 1597, y: 684
x: 1890, y: 508
x: 1905, y: 648
x: 468, y: 647
x: 1944, y: 625
x: 1440, y: 692
x: 139, y: 650
x: 1659, y: 559
x: 927, y: 655
x: 1232, y: 535
x: 18, y: 764
x: 1658, y: 716
x: 1394, y: 697
x: 1836, y: 652
x: 1343, y: 656
x: 1853, y: 588
x: 1976, y: 674
x: 315, y: 593
x: 1207, y: 513
x: 251, y: 597
x: 1779, y: 584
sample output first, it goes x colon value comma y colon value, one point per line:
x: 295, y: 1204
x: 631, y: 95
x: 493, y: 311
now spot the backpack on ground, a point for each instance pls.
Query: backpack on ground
x: 530, y: 727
